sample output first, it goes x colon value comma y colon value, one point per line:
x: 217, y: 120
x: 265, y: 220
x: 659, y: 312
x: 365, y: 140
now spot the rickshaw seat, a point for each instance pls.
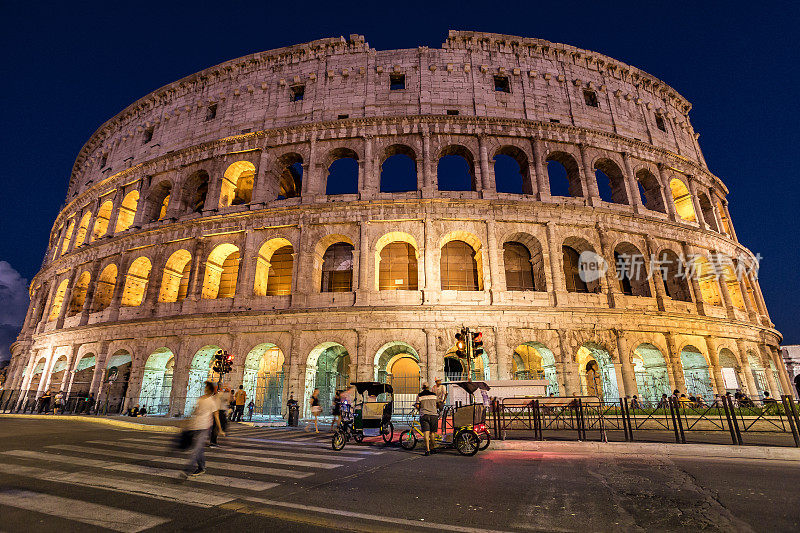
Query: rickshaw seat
x: 468, y: 415
x: 373, y: 410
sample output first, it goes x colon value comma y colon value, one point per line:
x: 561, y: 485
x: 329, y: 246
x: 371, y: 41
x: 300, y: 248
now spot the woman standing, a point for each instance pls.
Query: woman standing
x: 336, y: 410
x: 316, y: 409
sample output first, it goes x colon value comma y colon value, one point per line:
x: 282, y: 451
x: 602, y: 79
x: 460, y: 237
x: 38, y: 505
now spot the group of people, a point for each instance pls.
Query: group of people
x: 739, y: 399
x: 137, y: 411
x: 58, y: 401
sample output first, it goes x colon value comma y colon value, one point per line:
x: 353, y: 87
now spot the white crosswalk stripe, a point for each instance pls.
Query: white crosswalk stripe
x: 85, y: 512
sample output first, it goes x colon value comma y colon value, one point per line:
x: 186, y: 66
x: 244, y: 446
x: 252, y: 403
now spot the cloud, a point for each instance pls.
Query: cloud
x: 13, y: 306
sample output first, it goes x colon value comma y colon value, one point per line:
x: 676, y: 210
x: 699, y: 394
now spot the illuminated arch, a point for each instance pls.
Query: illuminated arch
x: 104, y: 288
x: 127, y: 211
x: 328, y: 369
x: 237, y: 184
x: 682, y: 200
x: 83, y: 227
x: 136, y: 282
x: 79, y: 291
x: 58, y: 300
x: 175, y: 282
x: 457, y: 262
x: 263, y: 378
x: 101, y: 222
x: 222, y: 272
x: 274, y: 265
x: 396, y: 260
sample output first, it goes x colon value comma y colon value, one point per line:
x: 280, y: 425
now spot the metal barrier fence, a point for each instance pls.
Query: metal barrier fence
x: 26, y: 402
x: 559, y: 417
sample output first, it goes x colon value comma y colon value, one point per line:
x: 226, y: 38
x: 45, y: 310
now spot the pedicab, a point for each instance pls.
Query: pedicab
x: 462, y: 427
x: 366, y: 418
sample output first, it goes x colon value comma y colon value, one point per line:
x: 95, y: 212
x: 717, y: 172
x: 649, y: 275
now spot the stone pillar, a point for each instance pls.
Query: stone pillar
x: 666, y: 191
x: 698, y: 212
x: 607, y: 252
x: 154, y: 282
x: 723, y: 286
x: 493, y: 258
x: 730, y: 220
x: 631, y: 184
x: 311, y: 177
x: 572, y: 383
x: 87, y: 303
x: 67, y: 298
x: 431, y: 354
x: 558, y: 287
x: 363, y: 287
x: 99, y: 370
x: 195, y: 289
x: 119, y: 288
x: 771, y: 382
x: 292, y: 364
x: 693, y: 282
x: 428, y: 185
x: 540, y: 171
x: 487, y: 174
x: 430, y: 291
x: 716, y: 371
x: 675, y: 365
x: 247, y: 269
x: 656, y: 279
x: 783, y: 373
x: 503, y: 354
x: 363, y: 368
x: 752, y: 388
x: 588, y: 180
x: 628, y: 374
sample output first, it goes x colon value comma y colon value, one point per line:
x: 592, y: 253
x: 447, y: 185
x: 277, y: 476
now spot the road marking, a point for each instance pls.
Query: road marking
x: 321, y: 445
x: 80, y: 511
x: 147, y: 444
x: 417, y: 524
x: 184, y: 495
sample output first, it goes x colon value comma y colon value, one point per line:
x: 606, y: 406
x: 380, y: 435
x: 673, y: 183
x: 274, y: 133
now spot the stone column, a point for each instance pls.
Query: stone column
x: 693, y: 282
x: 195, y: 289
x: 675, y: 365
x: 572, y: 383
x: 628, y: 374
x: 428, y: 185
x: 292, y: 363
x: 311, y: 176
x: 656, y: 279
x: 431, y: 291
x: 488, y: 186
x: 99, y: 369
x: 540, y: 174
x: 607, y: 252
x: 263, y: 190
x: 716, y: 371
x: 493, y: 258
x: 631, y: 184
x: 116, y: 203
x: 119, y: 288
x: 771, y: 382
x: 363, y: 286
x: 67, y: 298
x: 666, y: 191
x: 154, y: 281
x: 247, y: 269
x: 723, y: 286
x: 783, y: 374
x: 730, y: 220
x: 87, y: 303
x: 503, y: 354
x: 698, y: 212
x: 363, y: 368
x: 558, y: 286
x: 432, y: 356
x: 370, y: 184
x: 752, y: 388
x: 588, y: 180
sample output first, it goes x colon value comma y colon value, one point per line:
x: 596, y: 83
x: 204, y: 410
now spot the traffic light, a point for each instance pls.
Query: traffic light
x: 219, y: 357
x: 461, y: 345
x: 477, y: 344
x: 227, y: 363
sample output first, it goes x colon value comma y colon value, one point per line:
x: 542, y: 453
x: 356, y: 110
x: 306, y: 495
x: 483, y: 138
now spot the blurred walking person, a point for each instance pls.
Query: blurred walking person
x: 316, y: 409
x: 221, y: 406
x: 206, y: 415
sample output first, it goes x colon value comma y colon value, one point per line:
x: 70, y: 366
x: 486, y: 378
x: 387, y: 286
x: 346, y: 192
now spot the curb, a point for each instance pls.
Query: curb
x: 105, y: 421
x: 721, y: 451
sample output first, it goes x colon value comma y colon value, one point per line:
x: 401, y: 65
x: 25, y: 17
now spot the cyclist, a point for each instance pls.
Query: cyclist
x: 428, y: 417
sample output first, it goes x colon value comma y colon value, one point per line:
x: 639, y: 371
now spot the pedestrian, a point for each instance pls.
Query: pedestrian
x: 143, y: 411
x: 205, y: 416
x: 231, y: 401
x: 663, y: 403
x: 88, y: 404
x: 684, y: 402
x: 44, y: 401
x: 250, y: 408
x: 220, y: 400
x: 635, y: 404
x: 58, y: 406
x: 239, y: 397
x: 441, y: 394
x: 485, y: 396
x: 291, y: 410
x: 427, y: 402
x: 336, y: 409
x: 316, y: 409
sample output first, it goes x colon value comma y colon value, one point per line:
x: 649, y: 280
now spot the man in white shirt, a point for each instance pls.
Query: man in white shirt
x: 205, y: 415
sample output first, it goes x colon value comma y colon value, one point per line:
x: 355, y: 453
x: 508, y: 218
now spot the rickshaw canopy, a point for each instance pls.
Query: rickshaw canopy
x: 470, y: 386
x: 372, y: 388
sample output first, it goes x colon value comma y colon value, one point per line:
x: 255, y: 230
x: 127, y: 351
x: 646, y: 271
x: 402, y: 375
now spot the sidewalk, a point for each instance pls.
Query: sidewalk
x: 145, y: 423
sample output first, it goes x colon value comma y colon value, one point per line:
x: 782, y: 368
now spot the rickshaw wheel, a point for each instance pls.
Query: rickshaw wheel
x: 408, y: 440
x: 387, y: 432
x: 338, y: 441
x: 485, y: 440
x: 467, y: 442
x: 358, y: 437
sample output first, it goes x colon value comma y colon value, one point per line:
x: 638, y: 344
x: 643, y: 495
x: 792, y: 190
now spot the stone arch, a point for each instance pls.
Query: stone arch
x: 597, y: 373
x: 610, y: 181
x: 398, y: 169
x: 708, y: 211
x: 83, y: 228
x: 100, y: 227
x: 237, y: 184
x: 650, y: 191
x: 274, y: 265
x: 58, y: 372
x: 157, y: 202
x: 263, y: 378
x: 222, y: 272
x: 342, y: 171
x: 673, y: 273
x: 117, y: 379
x: 651, y: 372
x: 199, y: 372
x: 455, y: 169
x: 127, y: 211
x: 398, y: 364
x: 534, y: 360
x: 327, y: 368
x: 706, y: 276
x: 576, y: 253
x: 157, y: 381
x: 67, y: 236
x: 195, y: 192
x: 79, y: 291
x: 175, y: 281
x: 759, y: 372
x: 696, y: 372
x: 562, y: 168
x: 58, y: 300
x: 37, y: 374
x: 682, y: 199
x: 512, y: 170
x: 729, y: 278
x: 340, y: 262
x: 631, y: 267
x: 461, y: 261
x: 535, y: 259
x: 730, y: 368
x: 83, y: 374
x: 136, y: 282
x: 289, y: 172
x: 401, y: 262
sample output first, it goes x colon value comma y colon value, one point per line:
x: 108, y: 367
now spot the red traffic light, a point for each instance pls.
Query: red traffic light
x: 478, y: 337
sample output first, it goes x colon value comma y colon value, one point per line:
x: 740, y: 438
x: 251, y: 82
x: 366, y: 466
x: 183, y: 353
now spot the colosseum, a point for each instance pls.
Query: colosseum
x: 328, y: 212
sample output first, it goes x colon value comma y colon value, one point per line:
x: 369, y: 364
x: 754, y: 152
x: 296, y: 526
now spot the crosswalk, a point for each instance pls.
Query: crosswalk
x: 250, y: 463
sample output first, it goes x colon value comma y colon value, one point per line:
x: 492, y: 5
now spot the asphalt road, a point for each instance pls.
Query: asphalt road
x: 68, y: 476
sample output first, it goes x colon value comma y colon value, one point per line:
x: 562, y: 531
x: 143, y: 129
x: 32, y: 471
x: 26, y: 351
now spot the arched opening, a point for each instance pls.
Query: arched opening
x: 456, y: 369
x: 397, y: 363
x: 342, y: 172
x: 337, y: 268
x: 195, y: 191
x: 263, y: 379
x: 726, y: 223
x: 117, y: 376
x: 759, y: 374
x: 127, y: 211
x: 597, y: 373
x: 650, y: 191
x: 774, y: 370
x: 237, y: 184
x: 707, y: 279
x: 157, y: 382
x: 327, y: 369
x: 100, y: 227
x: 58, y: 300
x: 399, y: 169
x: 708, y: 211
x: 518, y: 267
x: 511, y: 171
x: 36, y: 376
x: 274, y: 266
x: 696, y: 373
x: 83, y: 227
x: 290, y: 176
x: 632, y: 273
x: 136, y: 282
x: 456, y: 169
x: 564, y: 175
x: 579, y: 262
x: 458, y: 267
x: 67, y: 237
x: 682, y: 200
x: 175, y: 281
x: 104, y: 289
x: 453, y: 369
x: 58, y: 372
x: 533, y: 360
x: 199, y: 373
x: 610, y: 182
x: 732, y: 284
x: 79, y: 291
x: 673, y: 273
x: 84, y: 373
x: 397, y: 267
x: 158, y: 201
x: 730, y: 370
x: 650, y: 369
x: 222, y: 272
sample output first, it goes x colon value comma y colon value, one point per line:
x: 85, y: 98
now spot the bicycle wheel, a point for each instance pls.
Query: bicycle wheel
x: 408, y: 439
x: 467, y: 442
x: 358, y: 437
x: 485, y: 440
x: 338, y: 441
x: 387, y: 432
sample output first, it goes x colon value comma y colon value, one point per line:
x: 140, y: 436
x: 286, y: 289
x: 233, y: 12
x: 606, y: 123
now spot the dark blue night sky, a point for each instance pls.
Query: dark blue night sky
x: 71, y: 66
